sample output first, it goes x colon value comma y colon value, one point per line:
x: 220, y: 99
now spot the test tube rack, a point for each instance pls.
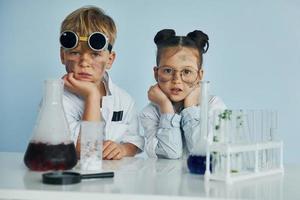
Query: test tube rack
x: 235, y: 161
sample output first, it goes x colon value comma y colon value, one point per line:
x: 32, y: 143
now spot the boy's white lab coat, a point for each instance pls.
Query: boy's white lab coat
x: 122, y: 129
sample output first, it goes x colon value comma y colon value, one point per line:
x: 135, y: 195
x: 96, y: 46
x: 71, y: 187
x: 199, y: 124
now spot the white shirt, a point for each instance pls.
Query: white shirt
x: 121, y: 129
x: 169, y: 135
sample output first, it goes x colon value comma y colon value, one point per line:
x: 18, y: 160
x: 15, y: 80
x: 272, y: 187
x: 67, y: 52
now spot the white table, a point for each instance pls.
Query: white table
x: 138, y: 178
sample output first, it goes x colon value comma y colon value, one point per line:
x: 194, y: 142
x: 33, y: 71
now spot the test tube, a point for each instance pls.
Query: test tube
x: 204, y: 109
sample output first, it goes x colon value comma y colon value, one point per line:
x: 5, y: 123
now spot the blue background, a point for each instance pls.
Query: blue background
x: 253, y: 60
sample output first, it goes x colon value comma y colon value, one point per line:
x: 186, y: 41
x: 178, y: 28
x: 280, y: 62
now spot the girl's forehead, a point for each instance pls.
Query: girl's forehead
x: 182, y: 55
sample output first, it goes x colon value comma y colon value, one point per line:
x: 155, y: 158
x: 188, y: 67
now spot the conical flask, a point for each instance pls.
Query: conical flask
x: 50, y: 147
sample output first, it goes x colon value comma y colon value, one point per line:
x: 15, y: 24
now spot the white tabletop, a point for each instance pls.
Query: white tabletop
x: 139, y: 178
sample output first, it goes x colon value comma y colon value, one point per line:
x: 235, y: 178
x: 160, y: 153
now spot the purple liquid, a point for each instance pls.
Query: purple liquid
x: 197, y: 164
x: 42, y: 157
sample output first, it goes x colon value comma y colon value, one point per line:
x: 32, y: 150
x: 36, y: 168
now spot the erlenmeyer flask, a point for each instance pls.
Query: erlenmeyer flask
x: 51, y: 147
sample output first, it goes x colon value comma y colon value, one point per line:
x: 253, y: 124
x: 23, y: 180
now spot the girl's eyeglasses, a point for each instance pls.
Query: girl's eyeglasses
x: 188, y: 75
x: 97, y: 41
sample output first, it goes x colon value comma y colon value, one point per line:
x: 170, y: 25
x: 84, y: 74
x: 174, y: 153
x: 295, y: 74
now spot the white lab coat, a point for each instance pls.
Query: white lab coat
x: 125, y: 130
x: 175, y: 135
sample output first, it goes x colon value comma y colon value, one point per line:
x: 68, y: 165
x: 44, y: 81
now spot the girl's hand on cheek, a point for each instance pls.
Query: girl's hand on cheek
x: 193, y: 97
x: 156, y: 95
x: 82, y: 88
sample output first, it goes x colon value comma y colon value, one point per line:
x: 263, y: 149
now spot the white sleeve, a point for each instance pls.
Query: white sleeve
x: 191, y: 124
x: 163, y: 135
x: 133, y: 129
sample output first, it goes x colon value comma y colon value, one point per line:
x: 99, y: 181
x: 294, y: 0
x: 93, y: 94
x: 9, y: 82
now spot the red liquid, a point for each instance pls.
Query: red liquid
x: 42, y: 157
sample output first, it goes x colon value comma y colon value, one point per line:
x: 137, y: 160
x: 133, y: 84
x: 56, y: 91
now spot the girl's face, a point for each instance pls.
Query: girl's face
x: 178, y: 72
x: 86, y: 64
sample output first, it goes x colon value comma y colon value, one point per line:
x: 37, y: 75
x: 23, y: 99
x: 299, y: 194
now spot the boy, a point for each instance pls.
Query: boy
x: 87, y: 38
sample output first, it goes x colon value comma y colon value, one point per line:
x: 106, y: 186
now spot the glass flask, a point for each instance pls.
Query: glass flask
x: 50, y: 147
x: 196, y: 161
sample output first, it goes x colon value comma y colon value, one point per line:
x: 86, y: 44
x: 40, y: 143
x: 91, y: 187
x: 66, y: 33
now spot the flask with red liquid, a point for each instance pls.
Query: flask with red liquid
x: 51, y: 147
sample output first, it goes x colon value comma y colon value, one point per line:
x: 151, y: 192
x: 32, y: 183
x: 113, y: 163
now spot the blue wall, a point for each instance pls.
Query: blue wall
x: 253, y: 60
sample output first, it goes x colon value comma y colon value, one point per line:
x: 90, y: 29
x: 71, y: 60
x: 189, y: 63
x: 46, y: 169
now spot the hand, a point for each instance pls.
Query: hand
x: 193, y: 98
x: 82, y: 88
x: 112, y: 150
x: 156, y: 96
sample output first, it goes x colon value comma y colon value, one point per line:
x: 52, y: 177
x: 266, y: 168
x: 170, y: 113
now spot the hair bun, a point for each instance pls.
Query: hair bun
x: 163, y: 35
x: 200, y: 38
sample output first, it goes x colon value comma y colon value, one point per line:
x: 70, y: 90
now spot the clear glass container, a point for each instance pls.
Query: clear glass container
x: 51, y: 147
x: 196, y: 161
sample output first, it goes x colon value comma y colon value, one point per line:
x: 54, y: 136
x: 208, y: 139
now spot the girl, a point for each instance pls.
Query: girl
x: 172, y: 120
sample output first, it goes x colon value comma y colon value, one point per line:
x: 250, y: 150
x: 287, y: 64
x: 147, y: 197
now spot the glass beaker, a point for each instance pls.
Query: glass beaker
x: 91, y: 145
x: 50, y: 147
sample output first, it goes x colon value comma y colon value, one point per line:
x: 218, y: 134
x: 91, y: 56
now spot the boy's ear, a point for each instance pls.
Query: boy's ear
x: 111, y: 59
x: 155, y: 70
x: 62, y: 56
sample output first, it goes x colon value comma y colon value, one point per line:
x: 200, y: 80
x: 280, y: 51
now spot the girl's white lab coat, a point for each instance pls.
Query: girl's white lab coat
x: 122, y: 129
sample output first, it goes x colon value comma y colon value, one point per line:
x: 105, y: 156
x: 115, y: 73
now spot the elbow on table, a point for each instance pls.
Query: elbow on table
x: 164, y: 151
x: 174, y: 154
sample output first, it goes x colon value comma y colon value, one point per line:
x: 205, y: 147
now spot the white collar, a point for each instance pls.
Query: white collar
x: 108, y: 84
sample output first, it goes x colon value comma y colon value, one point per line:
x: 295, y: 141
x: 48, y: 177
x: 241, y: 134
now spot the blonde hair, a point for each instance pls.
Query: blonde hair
x: 89, y: 19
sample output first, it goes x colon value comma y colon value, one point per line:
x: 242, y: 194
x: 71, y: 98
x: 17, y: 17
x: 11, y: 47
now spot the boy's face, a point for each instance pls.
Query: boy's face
x: 86, y: 64
x: 178, y: 73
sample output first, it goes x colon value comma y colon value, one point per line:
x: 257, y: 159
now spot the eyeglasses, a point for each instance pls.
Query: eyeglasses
x: 188, y: 75
x: 97, y: 41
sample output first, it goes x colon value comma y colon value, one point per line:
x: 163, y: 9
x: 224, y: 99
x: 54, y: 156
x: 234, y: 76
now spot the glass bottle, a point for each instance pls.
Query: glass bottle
x: 50, y: 147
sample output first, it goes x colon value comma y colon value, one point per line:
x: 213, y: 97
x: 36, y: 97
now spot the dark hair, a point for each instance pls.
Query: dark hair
x: 167, y: 38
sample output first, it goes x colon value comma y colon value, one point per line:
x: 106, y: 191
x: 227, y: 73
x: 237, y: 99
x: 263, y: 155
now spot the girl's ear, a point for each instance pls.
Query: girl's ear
x: 155, y: 70
x: 200, y: 75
